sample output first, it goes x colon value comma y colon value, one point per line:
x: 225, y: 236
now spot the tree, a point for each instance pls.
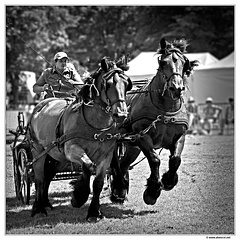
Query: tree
x: 87, y: 33
x: 33, y: 35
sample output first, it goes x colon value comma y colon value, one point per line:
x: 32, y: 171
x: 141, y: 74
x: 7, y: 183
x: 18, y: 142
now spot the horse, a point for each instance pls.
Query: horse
x: 157, y: 119
x: 83, y: 131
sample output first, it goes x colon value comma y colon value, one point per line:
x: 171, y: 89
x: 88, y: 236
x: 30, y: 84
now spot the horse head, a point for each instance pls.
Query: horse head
x: 108, y: 87
x: 174, y: 67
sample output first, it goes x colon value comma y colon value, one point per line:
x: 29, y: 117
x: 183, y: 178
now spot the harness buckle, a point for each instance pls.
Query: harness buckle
x: 107, y: 109
x: 109, y: 136
x: 166, y: 120
x: 159, y: 118
x: 95, y: 136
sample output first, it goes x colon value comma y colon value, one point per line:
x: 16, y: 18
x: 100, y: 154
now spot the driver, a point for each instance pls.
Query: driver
x: 58, y: 80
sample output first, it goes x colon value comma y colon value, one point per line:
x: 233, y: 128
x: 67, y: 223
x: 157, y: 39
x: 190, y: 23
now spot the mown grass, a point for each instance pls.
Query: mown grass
x: 201, y: 203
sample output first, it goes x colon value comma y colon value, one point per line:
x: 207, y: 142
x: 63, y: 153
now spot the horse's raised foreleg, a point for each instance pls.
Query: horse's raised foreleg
x: 153, y: 189
x: 170, y: 178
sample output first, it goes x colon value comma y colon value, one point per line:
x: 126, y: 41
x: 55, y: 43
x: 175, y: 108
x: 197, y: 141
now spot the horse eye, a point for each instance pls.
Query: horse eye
x: 163, y: 63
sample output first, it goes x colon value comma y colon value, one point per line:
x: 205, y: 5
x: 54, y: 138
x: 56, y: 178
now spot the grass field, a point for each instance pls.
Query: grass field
x: 202, y: 203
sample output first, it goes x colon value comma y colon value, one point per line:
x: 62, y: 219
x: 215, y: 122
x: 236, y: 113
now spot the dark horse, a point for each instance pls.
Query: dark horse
x: 157, y: 119
x: 83, y: 131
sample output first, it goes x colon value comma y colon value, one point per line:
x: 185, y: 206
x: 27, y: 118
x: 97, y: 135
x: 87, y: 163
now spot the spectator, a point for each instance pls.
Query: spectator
x: 193, y: 116
x: 229, y: 114
x: 211, y: 114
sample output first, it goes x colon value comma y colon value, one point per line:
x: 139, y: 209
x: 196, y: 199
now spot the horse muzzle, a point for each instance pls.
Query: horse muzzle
x: 119, y: 111
x: 176, y: 87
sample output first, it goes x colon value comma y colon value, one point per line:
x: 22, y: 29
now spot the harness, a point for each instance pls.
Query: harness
x: 99, y: 135
x: 178, y: 117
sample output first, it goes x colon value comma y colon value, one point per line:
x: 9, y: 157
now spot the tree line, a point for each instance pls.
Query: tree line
x: 87, y: 33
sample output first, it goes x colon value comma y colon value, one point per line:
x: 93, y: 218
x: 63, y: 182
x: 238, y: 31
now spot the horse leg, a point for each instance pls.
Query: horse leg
x: 154, y: 186
x: 120, y: 173
x: 81, y: 188
x: 49, y: 172
x: 38, y: 206
x: 170, y: 178
x: 94, y: 213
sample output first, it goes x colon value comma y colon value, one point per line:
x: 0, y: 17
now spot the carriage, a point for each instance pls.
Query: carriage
x: 22, y: 164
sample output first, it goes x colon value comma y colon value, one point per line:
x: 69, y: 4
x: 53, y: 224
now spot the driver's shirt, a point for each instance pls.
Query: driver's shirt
x: 57, y: 81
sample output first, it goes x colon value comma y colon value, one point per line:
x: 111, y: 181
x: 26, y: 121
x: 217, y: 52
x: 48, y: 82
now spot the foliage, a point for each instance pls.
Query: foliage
x: 87, y: 33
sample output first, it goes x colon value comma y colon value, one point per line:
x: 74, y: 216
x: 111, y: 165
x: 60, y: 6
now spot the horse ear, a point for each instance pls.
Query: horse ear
x: 122, y: 62
x: 163, y: 43
x: 104, y: 64
x: 129, y: 87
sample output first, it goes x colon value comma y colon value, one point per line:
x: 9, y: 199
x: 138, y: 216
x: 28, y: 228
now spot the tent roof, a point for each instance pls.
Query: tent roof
x: 146, y: 62
x: 227, y: 62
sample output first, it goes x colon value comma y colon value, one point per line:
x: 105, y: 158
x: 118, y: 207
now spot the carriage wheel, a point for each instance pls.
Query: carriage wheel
x: 22, y: 179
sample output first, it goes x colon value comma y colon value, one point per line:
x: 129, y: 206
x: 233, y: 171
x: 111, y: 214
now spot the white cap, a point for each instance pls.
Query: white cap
x: 191, y: 99
x: 209, y: 99
x: 60, y: 55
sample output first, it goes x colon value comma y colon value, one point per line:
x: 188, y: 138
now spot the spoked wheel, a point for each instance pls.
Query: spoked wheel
x: 22, y: 178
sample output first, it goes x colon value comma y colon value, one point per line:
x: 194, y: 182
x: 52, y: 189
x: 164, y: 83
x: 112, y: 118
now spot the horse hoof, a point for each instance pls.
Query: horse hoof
x: 49, y: 205
x: 149, y: 200
x: 42, y: 212
x: 166, y: 185
x: 117, y: 200
x: 94, y: 219
x: 74, y: 203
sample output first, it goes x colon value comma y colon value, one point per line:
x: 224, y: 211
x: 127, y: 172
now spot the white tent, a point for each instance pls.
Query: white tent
x: 212, y: 78
x: 145, y: 65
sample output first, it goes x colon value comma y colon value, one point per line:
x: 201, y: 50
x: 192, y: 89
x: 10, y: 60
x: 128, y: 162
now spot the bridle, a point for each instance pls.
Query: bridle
x: 113, y: 73
x: 105, y: 106
x: 166, y: 78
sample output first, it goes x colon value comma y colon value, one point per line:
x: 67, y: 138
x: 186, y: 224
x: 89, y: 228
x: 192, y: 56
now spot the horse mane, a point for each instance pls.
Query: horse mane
x: 180, y: 44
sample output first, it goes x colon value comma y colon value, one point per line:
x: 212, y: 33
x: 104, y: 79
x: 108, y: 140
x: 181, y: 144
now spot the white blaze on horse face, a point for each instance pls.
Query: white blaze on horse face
x: 116, y: 94
x: 176, y: 80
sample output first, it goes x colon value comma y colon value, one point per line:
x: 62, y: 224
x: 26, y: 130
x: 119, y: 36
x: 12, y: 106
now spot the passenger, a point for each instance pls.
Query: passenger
x: 58, y: 80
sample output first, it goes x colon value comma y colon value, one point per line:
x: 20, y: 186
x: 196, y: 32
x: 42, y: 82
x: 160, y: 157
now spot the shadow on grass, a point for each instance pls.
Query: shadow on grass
x: 19, y: 215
